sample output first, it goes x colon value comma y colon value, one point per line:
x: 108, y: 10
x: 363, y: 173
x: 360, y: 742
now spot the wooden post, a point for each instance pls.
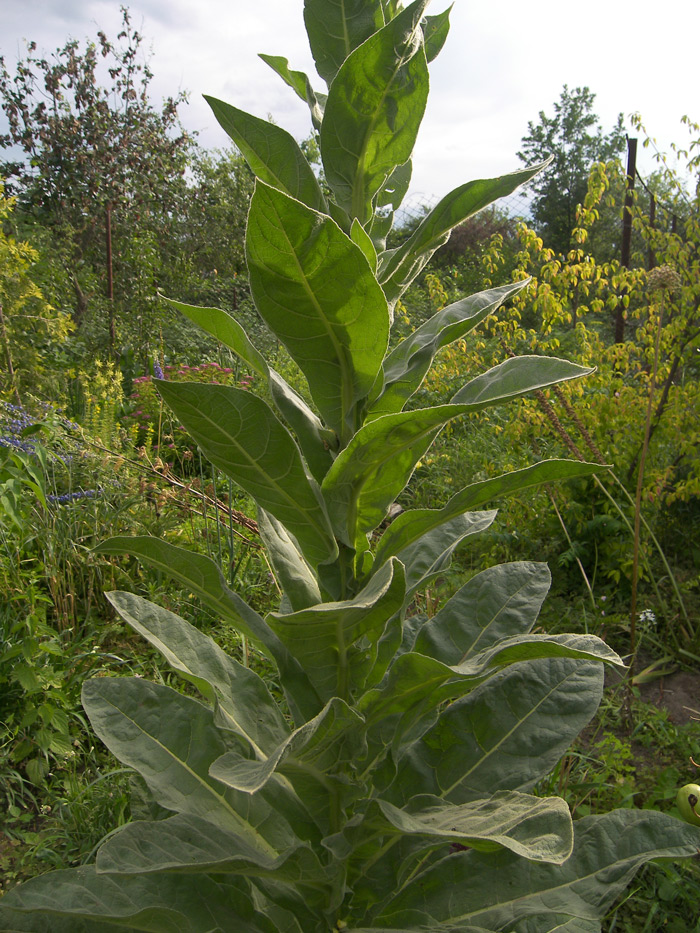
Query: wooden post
x: 651, y: 259
x: 626, y: 250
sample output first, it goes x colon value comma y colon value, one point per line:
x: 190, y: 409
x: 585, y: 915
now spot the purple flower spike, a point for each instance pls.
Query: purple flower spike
x: 157, y: 370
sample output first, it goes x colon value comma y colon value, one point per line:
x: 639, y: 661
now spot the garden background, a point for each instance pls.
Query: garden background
x: 109, y: 204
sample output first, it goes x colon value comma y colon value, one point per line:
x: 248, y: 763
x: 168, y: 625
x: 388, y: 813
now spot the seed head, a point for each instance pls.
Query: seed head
x: 663, y: 277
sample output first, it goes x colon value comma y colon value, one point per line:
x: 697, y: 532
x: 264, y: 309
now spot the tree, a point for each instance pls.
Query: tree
x: 575, y: 140
x: 31, y: 330
x: 218, y: 204
x: 96, y: 163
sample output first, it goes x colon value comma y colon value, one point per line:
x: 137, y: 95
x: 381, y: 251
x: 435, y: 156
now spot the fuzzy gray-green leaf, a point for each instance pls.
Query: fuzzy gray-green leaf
x: 402, y: 265
x: 484, y: 742
x: 432, y: 553
x: 336, y: 642
x: 536, y: 828
x: 203, y: 577
x: 225, y: 328
x: 373, y: 469
x: 296, y: 577
x: 304, y: 422
x: 333, y: 736
x: 80, y: 900
x: 172, y: 740
x: 186, y: 843
x: 374, y: 109
x: 517, y: 376
x: 336, y: 27
x: 410, y: 526
x: 498, y: 602
x: 300, y: 84
x: 271, y: 152
x: 407, y: 364
x: 314, y: 288
x: 500, y: 890
x: 244, y: 701
x: 241, y: 435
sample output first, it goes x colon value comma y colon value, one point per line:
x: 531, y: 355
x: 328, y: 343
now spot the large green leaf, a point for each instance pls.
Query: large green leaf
x: 320, y: 745
x: 300, y: 84
x: 299, y: 584
x: 336, y: 643
x: 316, y: 441
x: 240, y: 434
x: 500, y: 890
x: 315, y: 290
x: 186, y: 843
x: 427, y: 828
x: 368, y: 475
x: 225, y: 328
x: 485, y: 741
x: 313, y: 439
x: 80, y: 900
x: 271, y: 152
x: 411, y: 526
x: 243, y: 700
x: 407, y: 364
x: 536, y: 828
x: 336, y: 27
x: 402, y: 265
x: 435, y: 30
x: 406, y: 704
x: 374, y: 109
x: 432, y: 554
x: 204, y: 578
x: 172, y: 740
x: 499, y: 602
x: 515, y: 377
x: 531, y: 646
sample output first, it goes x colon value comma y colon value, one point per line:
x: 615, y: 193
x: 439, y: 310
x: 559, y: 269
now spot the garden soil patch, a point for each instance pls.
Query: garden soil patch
x: 679, y: 693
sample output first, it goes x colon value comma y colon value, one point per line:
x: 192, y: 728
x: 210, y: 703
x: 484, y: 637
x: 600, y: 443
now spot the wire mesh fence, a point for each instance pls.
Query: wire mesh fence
x: 417, y: 204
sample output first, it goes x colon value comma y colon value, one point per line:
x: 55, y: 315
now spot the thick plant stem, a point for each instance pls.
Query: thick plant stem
x: 640, y: 483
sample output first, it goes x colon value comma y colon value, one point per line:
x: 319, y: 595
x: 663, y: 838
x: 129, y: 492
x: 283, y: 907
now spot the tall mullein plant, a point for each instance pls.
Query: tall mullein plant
x: 387, y: 785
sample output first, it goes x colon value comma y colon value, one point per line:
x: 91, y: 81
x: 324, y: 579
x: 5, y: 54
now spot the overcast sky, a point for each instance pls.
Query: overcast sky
x: 503, y: 63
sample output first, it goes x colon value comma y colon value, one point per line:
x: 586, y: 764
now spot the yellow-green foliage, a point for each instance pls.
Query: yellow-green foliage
x: 569, y: 310
x: 104, y: 398
x: 30, y: 328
